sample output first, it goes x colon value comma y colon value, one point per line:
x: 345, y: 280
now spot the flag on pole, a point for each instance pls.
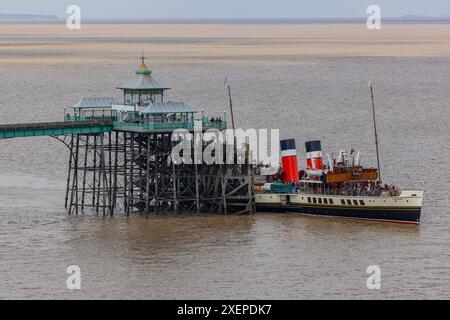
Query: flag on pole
x: 226, y: 81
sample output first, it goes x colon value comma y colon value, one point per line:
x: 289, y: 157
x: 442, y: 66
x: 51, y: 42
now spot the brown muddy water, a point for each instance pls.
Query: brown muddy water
x: 308, y: 80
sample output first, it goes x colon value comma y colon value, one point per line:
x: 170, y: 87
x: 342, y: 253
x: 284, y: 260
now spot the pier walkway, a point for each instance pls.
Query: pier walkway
x: 8, y: 131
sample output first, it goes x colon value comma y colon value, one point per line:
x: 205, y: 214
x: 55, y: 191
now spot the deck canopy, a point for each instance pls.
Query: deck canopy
x: 167, y: 107
x: 96, y: 103
x: 167, y: 112
x: 91, y: 108
x: 143, y: 81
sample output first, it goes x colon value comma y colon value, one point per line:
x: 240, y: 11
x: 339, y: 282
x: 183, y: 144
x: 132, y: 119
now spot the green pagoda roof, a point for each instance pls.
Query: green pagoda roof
x: 143, y: 81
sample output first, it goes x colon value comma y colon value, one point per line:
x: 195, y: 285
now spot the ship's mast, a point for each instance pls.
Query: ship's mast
x: 228, y: 85
x: 375, y: 130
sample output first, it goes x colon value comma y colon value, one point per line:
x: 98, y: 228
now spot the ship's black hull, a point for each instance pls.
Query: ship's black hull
x: 397, y: 215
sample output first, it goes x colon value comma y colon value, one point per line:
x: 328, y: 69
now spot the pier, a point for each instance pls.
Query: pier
x: 9, y: 131
x: 120, y: 151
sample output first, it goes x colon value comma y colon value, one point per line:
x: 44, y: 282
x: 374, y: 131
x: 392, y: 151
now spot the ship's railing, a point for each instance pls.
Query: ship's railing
x: 220, y: 124
x: 347, y: 193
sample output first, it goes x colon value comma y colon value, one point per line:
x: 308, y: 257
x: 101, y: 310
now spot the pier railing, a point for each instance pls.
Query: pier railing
x: 133, y: 123
x: 144, y: 126
x: 169, y: 126
x: 54, y: 128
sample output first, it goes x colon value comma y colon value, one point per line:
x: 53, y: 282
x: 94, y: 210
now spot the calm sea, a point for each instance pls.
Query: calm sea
x: 316, y: 96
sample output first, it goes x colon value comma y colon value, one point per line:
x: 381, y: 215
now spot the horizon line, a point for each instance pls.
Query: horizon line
x: 43, y: 18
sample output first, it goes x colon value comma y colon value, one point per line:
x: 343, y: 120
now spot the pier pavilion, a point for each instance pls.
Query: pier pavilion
x: 143, y: 108
x: 130, y: 167
x: 120, y: 155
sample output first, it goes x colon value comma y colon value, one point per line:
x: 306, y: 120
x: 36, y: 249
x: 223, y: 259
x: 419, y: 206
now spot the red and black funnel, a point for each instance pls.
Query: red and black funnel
x: 289, y: 160
x: 314, y: 155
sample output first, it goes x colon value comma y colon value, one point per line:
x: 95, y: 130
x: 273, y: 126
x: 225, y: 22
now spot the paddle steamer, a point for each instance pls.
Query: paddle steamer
x: 340, y: 187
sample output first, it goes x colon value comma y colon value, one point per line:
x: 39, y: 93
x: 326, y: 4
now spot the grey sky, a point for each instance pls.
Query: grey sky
x: 228, y: 8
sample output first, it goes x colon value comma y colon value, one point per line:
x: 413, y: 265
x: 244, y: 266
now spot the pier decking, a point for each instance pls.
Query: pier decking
x: 8, y: 131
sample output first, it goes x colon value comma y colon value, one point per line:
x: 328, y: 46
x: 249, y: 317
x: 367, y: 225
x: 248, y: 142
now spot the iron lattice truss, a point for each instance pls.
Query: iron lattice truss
x: 132, y: 172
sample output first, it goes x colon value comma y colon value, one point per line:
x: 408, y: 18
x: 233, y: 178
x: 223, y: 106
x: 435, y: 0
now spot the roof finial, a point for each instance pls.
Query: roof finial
x: 143, y: 57
x: 143, y: 69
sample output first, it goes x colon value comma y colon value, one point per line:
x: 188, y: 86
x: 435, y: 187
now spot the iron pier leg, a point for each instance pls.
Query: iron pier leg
x: 110, y: 171
x: 197, y: 190
x: 156, y: 178
x: 116, y: 156
x: 147, y: 198
x: 140, y: 141
x: 175, y: 196
x: 224, y: 189
x: 69, y: 171
x: 75, y: 179
x: 84, y: 172
x: 94, y: 170
x: 131, y: 194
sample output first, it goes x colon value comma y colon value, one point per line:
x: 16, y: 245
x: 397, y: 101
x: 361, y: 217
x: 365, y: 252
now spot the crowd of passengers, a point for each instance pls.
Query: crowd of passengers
x: 349, y: 189
x: 319, y: 186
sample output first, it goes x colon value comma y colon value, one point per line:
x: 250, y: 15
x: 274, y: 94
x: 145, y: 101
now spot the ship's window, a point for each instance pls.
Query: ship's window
x: 314, y: 200
x: 309, y: 199
x: 349, y: 202
x: 325, y: 200
x: 361, y: 202
x: 355, y: 202
x: 320, y: 200
x: 414, y: 195
x: 331, y: 201
x: 342, y: 201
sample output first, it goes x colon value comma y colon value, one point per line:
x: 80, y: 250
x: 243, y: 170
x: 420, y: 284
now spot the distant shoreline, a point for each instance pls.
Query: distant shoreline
x: 405, y: 20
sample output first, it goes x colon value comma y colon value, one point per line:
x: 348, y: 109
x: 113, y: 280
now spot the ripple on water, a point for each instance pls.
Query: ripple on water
x: 262, y: 256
